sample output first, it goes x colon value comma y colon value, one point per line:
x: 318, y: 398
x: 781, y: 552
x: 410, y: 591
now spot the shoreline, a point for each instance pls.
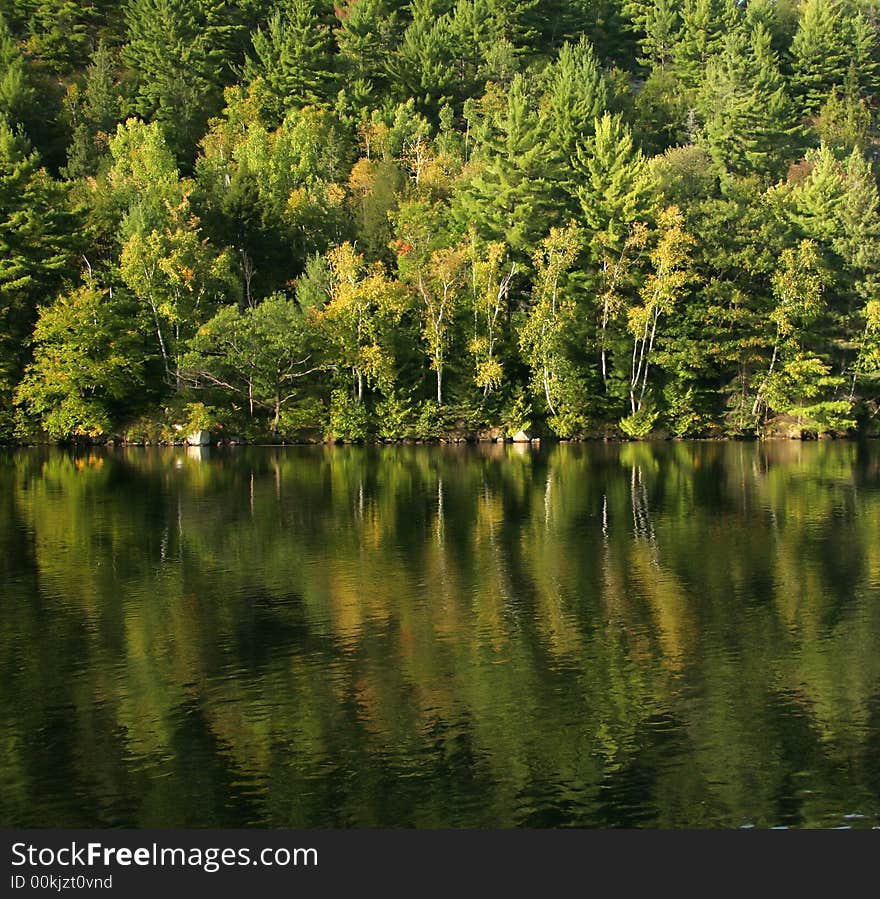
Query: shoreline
x: 534, y: 442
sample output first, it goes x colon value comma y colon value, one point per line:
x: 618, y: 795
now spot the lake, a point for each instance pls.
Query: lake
x: 599, y: 635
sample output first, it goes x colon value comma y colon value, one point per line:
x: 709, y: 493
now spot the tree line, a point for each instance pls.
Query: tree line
x: 377, y: 219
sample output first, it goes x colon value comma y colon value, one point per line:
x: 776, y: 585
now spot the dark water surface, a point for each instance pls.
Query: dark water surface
x: 681, y: 635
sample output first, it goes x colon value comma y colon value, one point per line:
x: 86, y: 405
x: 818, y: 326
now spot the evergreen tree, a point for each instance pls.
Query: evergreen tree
x: 178, y: 71
x: 37, y: 243
x: 819, y: 51
x: 367, y: 37
x: 424, y: 66
x: 814, y: 204
x: 18, y: 98
x: 659, y: 22
x: 60, y: 32
x: 291, y: 66
x: 575, y: 96
x: 94, y: 112
x: 615, y: 186
x: 749, y: 120
x: 704, y: 24
x: 512, y: 192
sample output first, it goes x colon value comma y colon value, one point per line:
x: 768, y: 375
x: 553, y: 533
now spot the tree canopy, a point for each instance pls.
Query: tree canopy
x: 380, y: 218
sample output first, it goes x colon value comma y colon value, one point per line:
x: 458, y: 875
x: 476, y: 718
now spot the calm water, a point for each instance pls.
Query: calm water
x: 682, y: 635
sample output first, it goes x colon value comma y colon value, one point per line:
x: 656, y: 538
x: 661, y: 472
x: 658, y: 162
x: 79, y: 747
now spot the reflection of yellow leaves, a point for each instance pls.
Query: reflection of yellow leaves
x: 670, y: 603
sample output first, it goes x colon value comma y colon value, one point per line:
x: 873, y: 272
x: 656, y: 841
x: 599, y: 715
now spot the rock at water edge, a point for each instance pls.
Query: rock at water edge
x: 199, y: 438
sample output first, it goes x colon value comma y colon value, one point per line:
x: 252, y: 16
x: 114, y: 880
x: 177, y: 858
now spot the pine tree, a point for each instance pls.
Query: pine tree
x: 18, y: 98
x: 424, y: 66
x: 367, y: 37
x: 615, y: 187
x: 574, y: 97
x: 178, y: 74
x: 513, y: 192
x: 94, y: 113
x: 522, y: 21
x: 864, y: 68
x: 819, y: 51
x: 859, y: 216
x: 59, y: 33
x: 704, y: 23
x: 291, y: 65
x: 660, y: 23
x: 601, y: 22
x: 37, y: 242
x: 814, y: 204
x: 750, y: 124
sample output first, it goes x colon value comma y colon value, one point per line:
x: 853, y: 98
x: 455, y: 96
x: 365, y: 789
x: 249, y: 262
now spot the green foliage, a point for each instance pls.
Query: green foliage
x: 575, y: 95
x: 349, y: 420
x: 394, y: 418
x: 820, y: 55
x: 518, y: 414
x: 36, y: 248
x: 173, y: 51
x: 615, y: 187
x: 640, y: 424
x: 750, y: 125
x: 680, y: 410
x: 803, y: 389
x: 510, y: 192
x: 88, y: 364
x: 291, y: 62
x: 199, y: 417
x: 259, y: 358
x: 586, y: 207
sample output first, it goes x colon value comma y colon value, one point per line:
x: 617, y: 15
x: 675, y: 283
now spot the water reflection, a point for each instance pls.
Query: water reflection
x: 637, y: 635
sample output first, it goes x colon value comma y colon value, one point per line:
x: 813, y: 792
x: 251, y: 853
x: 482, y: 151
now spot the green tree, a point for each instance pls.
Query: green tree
x: 94, y: 111
x: 615, y: 187
x: 819, y: 52
x: 704, y: 24
x: 88, y: 369
x: 259, y: 356
x: 435, y: 274
x: 797, y: 288
x: 361, y: 307
x: 177, y: 68
x: 60, y: 32
x: 492, y: 272
x: 671, y: 271
x: 37, y: 245
x: 367, y: 38
x: 170, y: 268
x: 575, y: 95
x: 749, y: 120
x: 291, y: 66
x: 511, y: 191
x: 657, y: 23
x: 543, y: 337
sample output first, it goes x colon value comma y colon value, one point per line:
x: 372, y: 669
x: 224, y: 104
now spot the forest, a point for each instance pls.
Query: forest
x: 293, y: 220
